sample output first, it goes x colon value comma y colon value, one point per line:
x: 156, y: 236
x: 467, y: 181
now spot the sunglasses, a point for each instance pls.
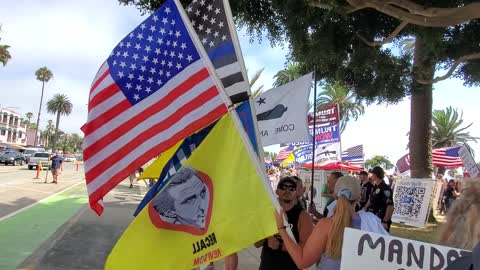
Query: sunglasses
x: 287, y: 187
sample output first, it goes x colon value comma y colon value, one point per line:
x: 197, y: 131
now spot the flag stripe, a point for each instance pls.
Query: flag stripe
x: 232, y: 79
x: 236, y: 98
x: 94, y: 125
x: 99, y: 79
x: 229, y: 70
x: 106, y: 93
x: 105, y: 106
x: 140, y: 155
x: 131, y: 140
x: 223, y: 55
x: 103, y: 83
x: 101, y: 72
x: 138, y: 108
x: 135, y: 127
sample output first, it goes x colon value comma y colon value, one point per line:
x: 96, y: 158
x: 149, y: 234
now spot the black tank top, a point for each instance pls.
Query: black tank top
x: 278, y: 259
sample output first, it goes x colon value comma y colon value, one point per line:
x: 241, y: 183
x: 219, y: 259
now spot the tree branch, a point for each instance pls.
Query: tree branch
x: 412, y: 13
x: 457, y: 62
x: 388, y: 39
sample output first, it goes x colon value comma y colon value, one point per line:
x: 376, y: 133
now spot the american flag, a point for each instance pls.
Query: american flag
x: 154, y: 90
x: 354, y: 155
x: 447, y: 157
x: 285, y: 152
x: 216, y: 32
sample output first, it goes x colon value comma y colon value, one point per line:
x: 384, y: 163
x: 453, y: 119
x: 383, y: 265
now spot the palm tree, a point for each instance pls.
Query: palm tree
x: 4, y: 53
x: 288, y: 74
x: 60, y: 105
x: 44, y: 75
x: 447, y: 130
x: 49, y: 131
x: 29, y: 116
x: 349, y: 106
x: 258, y: 91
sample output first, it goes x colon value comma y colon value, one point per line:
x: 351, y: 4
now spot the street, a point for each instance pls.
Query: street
x: 19, y: 189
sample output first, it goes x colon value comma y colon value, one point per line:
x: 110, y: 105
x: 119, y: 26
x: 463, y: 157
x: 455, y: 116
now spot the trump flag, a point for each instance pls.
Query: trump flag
x: 154, y: 90
x: 215, y: 205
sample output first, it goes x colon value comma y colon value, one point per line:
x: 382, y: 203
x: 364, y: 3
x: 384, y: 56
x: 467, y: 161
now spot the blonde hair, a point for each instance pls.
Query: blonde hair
x: 341, y: 219
x: 462, y: 229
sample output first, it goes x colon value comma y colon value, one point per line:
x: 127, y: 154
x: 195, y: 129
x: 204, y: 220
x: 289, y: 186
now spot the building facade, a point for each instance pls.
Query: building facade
x: 13, y: 130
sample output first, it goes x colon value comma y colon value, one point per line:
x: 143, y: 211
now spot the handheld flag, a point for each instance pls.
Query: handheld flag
x: 282, y: 112
x: 217, y: 204
x: 213, y: 23
x: 154, y: 90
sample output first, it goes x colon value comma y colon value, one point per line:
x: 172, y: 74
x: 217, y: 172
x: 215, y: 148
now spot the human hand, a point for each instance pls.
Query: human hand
x: 273, y: 243
x: 385, y: 225
x: 312, y: 209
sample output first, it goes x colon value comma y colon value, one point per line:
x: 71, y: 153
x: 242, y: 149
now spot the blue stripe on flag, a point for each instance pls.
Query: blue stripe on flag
x: 222, y: 50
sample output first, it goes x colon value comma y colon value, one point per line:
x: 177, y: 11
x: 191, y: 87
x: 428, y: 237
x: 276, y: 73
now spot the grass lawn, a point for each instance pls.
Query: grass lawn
x: 430, y: 233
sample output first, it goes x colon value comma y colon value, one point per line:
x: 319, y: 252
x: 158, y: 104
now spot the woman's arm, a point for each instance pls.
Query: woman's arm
x: 313, y: 248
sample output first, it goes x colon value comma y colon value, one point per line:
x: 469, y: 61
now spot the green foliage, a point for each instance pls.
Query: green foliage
x: 290, y: 73
x: 259, y: 89
x: 60, y: 105
x: 349, y: 106
x: 447, y: 129
x: 4, y: 52
x: 381, y: 161
x: 44, y: 74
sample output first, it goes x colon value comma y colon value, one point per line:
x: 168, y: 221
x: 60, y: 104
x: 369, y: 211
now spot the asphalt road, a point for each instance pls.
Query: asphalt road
x: 19, y: 189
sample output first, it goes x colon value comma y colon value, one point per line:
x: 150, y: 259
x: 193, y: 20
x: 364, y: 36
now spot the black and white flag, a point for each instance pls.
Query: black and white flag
x: 212, y: 20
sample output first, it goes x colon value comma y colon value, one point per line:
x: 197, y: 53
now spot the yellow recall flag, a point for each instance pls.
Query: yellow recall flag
x: 216, y: 205
x: 153, y: 171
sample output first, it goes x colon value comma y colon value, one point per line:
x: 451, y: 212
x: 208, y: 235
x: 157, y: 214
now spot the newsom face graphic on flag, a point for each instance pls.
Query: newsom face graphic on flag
x: 185, y: 200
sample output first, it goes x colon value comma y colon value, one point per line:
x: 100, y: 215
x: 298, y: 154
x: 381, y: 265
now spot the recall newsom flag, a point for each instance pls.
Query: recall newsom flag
x: 282, y: 112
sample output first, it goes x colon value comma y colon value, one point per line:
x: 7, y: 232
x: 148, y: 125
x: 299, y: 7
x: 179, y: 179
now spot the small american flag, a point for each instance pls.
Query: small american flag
x: 214, y: 26
x: 353, y: 155
x: 153, y: 91
x: 285, y: 152
x: 447, y: 157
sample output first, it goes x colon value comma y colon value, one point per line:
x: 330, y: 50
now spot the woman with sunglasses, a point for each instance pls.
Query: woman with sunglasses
x: 274, y: 255
x: 324, y: 245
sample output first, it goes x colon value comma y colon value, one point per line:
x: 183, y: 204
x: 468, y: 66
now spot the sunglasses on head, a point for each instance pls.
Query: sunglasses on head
x: 287, y: 187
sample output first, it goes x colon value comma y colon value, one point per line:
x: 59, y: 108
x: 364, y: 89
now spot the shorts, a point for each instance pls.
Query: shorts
x: 55, y: 172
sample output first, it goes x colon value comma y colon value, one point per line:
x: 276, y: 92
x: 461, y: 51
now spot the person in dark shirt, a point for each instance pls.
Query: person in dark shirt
x: 450, y: 195
x: 365, y: 191
x: 56, y: 166
x: 274, y: 255
x: 381, y: 199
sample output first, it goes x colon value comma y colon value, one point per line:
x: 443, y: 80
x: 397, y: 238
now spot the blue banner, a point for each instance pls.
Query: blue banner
x: 303, y: 154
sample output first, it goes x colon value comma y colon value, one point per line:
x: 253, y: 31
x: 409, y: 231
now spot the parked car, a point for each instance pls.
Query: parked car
x: 13, y: 158
x: 32, y: 150
x: 42, y: 157
x: 69, y: 158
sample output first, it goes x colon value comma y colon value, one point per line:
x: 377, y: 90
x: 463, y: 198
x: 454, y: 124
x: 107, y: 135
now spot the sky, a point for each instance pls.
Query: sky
x: 73, y: 39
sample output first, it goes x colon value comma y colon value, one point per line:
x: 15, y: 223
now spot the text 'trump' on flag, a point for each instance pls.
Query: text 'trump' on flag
x: 154, y: 90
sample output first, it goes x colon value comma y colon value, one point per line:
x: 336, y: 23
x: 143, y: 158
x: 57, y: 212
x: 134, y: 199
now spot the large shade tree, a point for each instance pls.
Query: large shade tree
x: 59, y: 105
x: 344, y: 40
x: 44, y: 75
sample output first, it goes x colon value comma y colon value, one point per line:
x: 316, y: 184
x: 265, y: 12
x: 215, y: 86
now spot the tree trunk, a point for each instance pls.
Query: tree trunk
x: 56, y: 133
x: 420, y: 141
x: 35, y: 143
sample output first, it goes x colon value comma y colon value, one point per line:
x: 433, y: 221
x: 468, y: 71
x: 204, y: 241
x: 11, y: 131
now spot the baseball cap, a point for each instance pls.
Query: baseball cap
x: 347, y: 186
x: 287, y: 179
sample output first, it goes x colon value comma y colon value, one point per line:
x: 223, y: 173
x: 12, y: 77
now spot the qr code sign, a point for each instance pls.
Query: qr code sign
x: 408, y: 201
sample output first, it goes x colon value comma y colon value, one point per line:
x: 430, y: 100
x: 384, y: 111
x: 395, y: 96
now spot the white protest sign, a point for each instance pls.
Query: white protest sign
x: 328, y: 152
x: 411, y: 199
x: 470, y: 165
x: 365, y: 250
x: 319, y: 184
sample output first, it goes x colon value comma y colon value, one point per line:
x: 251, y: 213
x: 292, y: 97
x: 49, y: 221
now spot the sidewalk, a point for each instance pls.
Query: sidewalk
x: 85, y: 240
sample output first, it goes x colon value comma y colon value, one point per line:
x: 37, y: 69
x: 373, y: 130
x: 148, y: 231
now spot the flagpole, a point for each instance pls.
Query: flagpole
x: 339, y: 132
x: 314, y: 129
x: 233, y: 32
x: 231, y: 110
